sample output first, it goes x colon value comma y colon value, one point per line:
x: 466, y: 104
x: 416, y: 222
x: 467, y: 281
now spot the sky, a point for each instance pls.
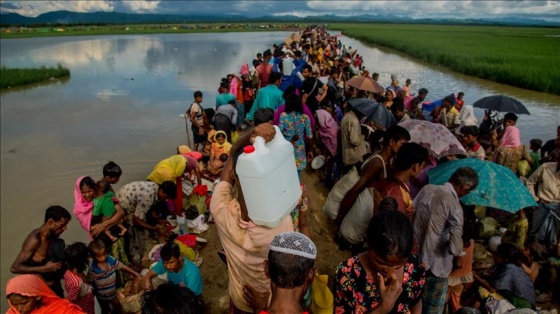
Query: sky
x: 538, y: 9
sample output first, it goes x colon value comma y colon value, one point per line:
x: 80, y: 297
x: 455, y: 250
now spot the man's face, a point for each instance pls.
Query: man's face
x: 463, y: 190
x: 422, y: 96
x: 174, y: 264
x: 306, y: 73
x: 469, y: 139
x: 198, y: 99
x: 508, y: 122
x: 58, y: 227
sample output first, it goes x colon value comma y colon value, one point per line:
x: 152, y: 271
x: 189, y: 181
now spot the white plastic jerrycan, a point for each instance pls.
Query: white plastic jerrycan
x: 268, y: 176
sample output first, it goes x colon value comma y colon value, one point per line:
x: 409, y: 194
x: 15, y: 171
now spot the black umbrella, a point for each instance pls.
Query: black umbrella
x: 374, y: 111
x: 501, y: 103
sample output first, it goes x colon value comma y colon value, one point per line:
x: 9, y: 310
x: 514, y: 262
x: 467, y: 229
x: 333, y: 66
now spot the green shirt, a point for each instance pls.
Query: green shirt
x: 268, y: 97
x: 104, y: 205
x: 222, y: 99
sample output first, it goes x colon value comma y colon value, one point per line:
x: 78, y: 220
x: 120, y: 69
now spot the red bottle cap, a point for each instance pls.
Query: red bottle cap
x: 248, y: 149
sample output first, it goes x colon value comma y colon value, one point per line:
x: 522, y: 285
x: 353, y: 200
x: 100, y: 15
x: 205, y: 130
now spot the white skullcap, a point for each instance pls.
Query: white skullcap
x: 295, y: 244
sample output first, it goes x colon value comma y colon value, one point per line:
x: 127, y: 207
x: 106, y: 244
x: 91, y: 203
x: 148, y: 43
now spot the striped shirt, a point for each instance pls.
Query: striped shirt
x: 79, y: 292
x: 105, y: 281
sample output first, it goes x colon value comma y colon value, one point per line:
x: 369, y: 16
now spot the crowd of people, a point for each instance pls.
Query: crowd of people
x: 414, y: 245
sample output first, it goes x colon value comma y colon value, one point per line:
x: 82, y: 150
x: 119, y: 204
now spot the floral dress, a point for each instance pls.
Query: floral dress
x: 292, y: 124
x: 356, y: 293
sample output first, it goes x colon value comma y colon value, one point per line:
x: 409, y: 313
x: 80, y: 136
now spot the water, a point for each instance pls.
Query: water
x: 123, y: 103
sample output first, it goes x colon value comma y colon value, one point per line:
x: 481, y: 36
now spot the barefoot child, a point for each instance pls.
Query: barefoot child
x: 78, y: 290
x: 104, y: 274
x: 104, y: 209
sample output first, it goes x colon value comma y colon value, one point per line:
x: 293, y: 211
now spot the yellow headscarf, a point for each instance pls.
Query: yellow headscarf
x: 168, y: 169
x: 183, y: 149
x: 223, y: 148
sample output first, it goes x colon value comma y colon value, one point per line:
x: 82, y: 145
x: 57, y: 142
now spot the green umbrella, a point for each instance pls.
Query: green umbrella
x: 498, y: 187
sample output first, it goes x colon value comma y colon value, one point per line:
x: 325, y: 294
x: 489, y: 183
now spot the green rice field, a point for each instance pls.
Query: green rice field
x: 11, y: 77
x: 523, y: 57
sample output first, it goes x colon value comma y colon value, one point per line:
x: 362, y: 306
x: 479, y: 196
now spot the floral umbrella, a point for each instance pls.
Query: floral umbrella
x: 498, y: 187
x: 435, y: 137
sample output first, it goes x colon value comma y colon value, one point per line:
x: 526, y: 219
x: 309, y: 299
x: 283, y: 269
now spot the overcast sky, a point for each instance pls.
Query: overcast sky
x: 541, y: 9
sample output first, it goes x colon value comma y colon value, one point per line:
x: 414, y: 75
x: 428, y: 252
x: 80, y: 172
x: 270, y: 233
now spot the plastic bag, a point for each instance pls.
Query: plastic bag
x: 523, y: 168
x: 322, y: 299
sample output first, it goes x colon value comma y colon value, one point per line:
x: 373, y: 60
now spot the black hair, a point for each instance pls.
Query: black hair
x: 536, y: 143
x: 450, y: 99
x: 267, y: 53
x: 410, y: 154
x: 293, y: 104
x: 112, y: 170
x: 375, y: 74
x: 510, y: 252
x: 464, y: 175
x: 510, y: 116
x: 423, y: 91
x: 398, y: 105
x: 256, y: 62
x: 102, y: 186
x: 223, y: 157
x: 57, y: 213
x: 263, y: 115
x: 297, y: 53
x: 274, y: 76
x: 289, y: 91
x: 169, y: 250
x: 224, y: 85
x: 395, y: 133
x: 220, y: 135
x: 390, y: 233
x: 460, y: 94
x: 96, y: 246
x: 87, y: 181
x: 388, y: 203
x: 169, y: 298
x: 288, y: 271
x: 232, y: 102
x: 169, y: 188
x: 307, y: 67
x: 197, y: 94
x: 470, y: 130
x: 76, y: 256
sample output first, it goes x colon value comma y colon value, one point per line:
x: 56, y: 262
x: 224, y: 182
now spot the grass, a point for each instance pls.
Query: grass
x: 11, y: 77
x: 142, y: 29
x: 523, y: 57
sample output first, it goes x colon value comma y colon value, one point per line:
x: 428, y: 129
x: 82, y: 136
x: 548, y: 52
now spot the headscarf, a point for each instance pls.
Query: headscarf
x: 328, y: 130
x: 33, y: 286
x: 168, y: 169
x: 223, y: 148
x: 467, y: 117
x: 244, y: 69
x: 183, y: 149
x: 511, y: 137
x: 211, y: 136
x: 82, y: 208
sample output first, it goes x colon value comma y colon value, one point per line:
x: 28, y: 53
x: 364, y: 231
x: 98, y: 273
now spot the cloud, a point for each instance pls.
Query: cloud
x: 34, y: 8
x: 142, y: 6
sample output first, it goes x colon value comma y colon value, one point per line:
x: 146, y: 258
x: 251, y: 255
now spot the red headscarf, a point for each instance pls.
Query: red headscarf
x: 33, y: 286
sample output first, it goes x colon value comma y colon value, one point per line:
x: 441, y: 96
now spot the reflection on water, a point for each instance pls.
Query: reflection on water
x: 123, y: 103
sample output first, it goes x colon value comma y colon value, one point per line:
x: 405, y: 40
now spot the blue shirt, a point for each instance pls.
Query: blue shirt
x: 268, y: 97
x: 188, y: 276
x: 222, y: 99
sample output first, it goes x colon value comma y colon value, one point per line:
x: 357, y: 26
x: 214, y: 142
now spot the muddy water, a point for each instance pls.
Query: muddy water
x: 123, y: 103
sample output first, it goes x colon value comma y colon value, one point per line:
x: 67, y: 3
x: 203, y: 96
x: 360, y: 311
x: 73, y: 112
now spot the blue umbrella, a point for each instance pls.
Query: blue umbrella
x: 374, y: 111
x: 498, y: 187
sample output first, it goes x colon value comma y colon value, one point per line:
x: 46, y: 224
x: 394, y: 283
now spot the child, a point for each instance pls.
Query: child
x: 178, y: 269
x: 112, y: 174
x: 470, y: 137
x: 206, y: 151
x: 517, y: 230
x: 196, y: 116
x: 78, y: 290
x: 533, y: 253
x: 508, y: 278
x: 462, y: 270
x: 216, y: 165
x: 104, y: 209
x: 103, y: 272
x: 535, y: 146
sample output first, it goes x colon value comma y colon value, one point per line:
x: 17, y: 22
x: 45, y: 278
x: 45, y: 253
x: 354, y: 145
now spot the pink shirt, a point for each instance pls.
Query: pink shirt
x: 246, y: 245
